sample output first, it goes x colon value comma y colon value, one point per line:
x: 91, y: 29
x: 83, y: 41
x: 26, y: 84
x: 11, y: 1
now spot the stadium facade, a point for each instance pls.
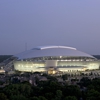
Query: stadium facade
x: 54, y: 59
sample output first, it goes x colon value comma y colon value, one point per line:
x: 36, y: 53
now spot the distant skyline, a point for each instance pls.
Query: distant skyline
x: 74, y: 23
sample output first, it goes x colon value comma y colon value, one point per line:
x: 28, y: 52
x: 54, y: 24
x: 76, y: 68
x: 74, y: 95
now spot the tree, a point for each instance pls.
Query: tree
x: 25, y: 89
x: 65, y: 77
x: 3, y: 96
x: 34, y: 98
x: 70, y: 98
x: 58, y: 95
x: 49, y: 96
x: 15, y: 80
x: 18, y: 97
x: 85, y: 81
x: 42, y: 98
x: 72, y: 90
x: 93, y: 95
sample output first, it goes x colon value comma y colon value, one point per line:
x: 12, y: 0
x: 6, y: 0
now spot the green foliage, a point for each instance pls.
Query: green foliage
x: 15, y: 80
x: 18, y: 97
x: 72, y: 90
x: 37, y: 80
x: 85, y: 81
x: 3, y: 96
x: 93, y: 95
x: 34, y: 98
x: 1, y: 82
x: 49, y: 95
x: 52, y: 90
x: 70, y: 98
x: 42, y: 98
x: 17, y: 89
x: 65, y: 77
x: 58, y: 95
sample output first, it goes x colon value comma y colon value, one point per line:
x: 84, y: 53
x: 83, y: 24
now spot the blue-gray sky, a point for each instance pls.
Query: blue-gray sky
x: 74, y: 23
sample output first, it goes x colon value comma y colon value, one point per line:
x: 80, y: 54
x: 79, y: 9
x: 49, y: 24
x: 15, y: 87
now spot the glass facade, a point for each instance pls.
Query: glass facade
x: 60, y: 63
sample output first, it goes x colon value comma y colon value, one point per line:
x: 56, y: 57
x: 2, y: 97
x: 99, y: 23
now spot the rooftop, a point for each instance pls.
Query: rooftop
x: 48, y: 47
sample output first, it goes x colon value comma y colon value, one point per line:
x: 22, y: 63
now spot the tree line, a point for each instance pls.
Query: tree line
x: 51, y: 89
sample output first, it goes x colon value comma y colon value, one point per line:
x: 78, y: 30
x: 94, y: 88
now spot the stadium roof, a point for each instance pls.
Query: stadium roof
x: 44, y: 51
x: 48, y: 47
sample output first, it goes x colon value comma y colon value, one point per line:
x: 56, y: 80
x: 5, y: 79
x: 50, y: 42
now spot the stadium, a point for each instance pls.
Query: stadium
x: 55, y: 59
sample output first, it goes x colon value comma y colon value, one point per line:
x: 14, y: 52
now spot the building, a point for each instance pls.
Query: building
x: 54, y: 59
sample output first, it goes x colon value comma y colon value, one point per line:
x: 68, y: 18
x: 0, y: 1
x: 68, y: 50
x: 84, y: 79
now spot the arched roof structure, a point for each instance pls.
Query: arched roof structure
x: 47, y: 51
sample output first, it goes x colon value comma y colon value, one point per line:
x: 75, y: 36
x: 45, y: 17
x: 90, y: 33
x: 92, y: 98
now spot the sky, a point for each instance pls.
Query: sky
x: 74, y: 23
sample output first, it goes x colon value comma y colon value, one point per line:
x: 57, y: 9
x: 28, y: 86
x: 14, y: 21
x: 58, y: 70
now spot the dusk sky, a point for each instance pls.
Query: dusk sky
x: 74, y: 23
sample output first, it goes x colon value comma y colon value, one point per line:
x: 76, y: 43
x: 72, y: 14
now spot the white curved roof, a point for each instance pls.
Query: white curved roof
x: 48, y: 47
x: 44, y: 51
